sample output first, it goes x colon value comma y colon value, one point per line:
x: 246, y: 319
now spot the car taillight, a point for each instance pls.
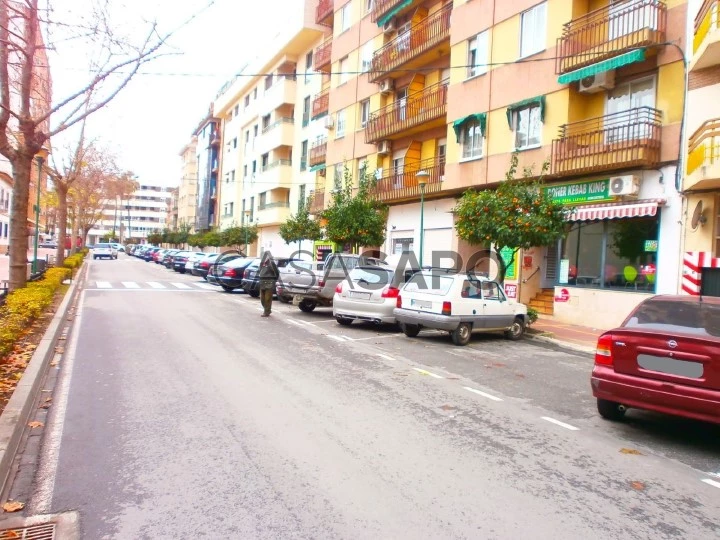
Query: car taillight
x: 204, y: 265
x: 447, y: 308
x: 338, y: 289
x: 390, y: 292
x: 321, y: 282
x: 603, y: 352
x: 399, y: 301
x: 230, y: 272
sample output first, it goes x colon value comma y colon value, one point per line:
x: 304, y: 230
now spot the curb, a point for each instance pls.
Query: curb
x: 17, y: 411
x: 562, y: 344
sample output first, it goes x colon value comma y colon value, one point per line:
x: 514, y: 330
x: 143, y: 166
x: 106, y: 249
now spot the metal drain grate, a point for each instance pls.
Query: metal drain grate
x: 44, y: 531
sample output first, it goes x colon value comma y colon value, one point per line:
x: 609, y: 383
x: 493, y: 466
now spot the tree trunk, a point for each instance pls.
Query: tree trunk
x: 21, y: 167
x: 62, y: 212
x: 73, y: 239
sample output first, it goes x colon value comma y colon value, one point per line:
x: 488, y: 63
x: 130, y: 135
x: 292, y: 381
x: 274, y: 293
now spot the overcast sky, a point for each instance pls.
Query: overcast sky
x: 147, y: 125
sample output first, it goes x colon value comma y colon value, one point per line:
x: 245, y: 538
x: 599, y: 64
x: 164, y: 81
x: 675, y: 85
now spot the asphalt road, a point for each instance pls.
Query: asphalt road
x: 181, y: 413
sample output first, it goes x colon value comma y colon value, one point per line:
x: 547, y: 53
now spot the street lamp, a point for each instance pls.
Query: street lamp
x: 422, y: 178
x: 129, y: 234
x: 246, y: 220
x: 40, y: 161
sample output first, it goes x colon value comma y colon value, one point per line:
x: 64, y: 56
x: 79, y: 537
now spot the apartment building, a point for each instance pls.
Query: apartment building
x: 5, y: 200
x: 187, y: 189
x: 208, y: 136
x: 267, y: 133
x: 701, y: 259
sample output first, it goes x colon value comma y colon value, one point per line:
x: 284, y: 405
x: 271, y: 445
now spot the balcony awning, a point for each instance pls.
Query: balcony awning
x: 606, y: 65
x: 394, y: 11
x: 539, y: 101
x: 591, y: 212
x: 478, y: 117
x: 318, y: 167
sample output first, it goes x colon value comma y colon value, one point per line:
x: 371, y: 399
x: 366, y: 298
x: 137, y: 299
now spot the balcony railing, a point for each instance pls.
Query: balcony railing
x: 277, y: 204
x: 610, y: 31
x: 614, y: 141
x: 278, y: 123
x: 324, y: 12
x: 403, y: 185
x: 404, y: 114
x: 323, y: 55
x: 382, y: 7
x: 410, y: 44
x: 704, y: 146
x: 317, y: 201
x: 321, y: 104
x: 276, y: 163
x: 706, y: 21
x: 318, y: 151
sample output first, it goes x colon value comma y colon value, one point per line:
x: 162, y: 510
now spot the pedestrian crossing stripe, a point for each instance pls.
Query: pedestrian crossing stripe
x: 154, y: 285
x: 130, y: 285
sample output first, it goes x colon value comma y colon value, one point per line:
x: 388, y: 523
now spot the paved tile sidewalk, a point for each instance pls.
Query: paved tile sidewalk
x: 581, y: 338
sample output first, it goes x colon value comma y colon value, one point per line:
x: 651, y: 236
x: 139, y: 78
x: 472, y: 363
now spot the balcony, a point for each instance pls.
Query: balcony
x: 614, y: 141
x: 706, y: 42
x: 402, y: 186
x: 318, y: 152
x: 215, y: 139
x: 277, y: 174
x: 410, y: 49
x: 420, y: 111
x: 323, y: 55
x: 279, y: 133
x: 273, y: 212
x: 324, y: 12
x: 610, y: 31
x: 321, y: 104
x: 383, y: 10
x: 317, y: 201
x: 703, y: 166
x: 282, y: 92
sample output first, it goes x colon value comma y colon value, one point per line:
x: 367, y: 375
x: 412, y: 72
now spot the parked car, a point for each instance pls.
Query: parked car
x: 230, y: 273
x: 179, y: 258
x: 104, y: 251
x: 49, y: 244
x: 194, y: 257
x: 290, y: 272
x: 158, y: 256
x: 216, y: 266
x: 148, y: 254
x: 202, y: 266
x: 118, y: 247
x: 369, y: 294
x: 664, y: 357
x: 167, y: 260
x: 251, y: 281
x: 459, y: 303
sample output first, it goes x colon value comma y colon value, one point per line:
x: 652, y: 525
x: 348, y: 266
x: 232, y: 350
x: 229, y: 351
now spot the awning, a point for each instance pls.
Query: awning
x: 478, y: 117
x: 591, y: 212
x: 539, y: 101
x: 394, y: 11
x: 318, y: 167
x: 606, y: 65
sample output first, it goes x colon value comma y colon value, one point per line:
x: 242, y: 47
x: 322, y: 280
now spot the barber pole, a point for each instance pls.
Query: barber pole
x: 693, y: 263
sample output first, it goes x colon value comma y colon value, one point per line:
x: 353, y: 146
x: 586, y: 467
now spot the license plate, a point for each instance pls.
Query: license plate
x: 670, y: 366
x: 421, y: 304
x: 359, y: 294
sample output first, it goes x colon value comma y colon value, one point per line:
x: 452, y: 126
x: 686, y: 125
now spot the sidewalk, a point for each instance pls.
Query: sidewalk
x: 579, y: 338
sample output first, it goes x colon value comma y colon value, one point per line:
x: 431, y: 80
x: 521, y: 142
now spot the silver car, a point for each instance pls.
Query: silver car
x: 368, y: 294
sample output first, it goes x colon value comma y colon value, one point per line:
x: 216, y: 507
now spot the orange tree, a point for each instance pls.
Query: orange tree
x: 301, y: 226
x: 518, y: 214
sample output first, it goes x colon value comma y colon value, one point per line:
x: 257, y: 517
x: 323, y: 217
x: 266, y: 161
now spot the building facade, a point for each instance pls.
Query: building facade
x: 208, y: 136
x: 187, y: 189
x: 5, y: 201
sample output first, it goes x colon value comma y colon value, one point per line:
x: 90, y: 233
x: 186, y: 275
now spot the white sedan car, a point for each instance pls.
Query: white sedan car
x: 369, y: 294
x: 104, y: 251
x: 192, y: 259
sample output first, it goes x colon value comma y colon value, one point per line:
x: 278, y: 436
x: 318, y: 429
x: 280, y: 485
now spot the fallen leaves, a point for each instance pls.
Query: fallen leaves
x: 447, y: 407
x: 35, y: 424
x: 631, y: 451
x: 13, y: 506
x: 639, y: 486
x: 46, y: 404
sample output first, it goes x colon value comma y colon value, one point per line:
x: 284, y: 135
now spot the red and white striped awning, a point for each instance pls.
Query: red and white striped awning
x: 590, y: 212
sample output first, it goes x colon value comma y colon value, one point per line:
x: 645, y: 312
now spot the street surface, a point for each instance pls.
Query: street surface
x: 180, y: 413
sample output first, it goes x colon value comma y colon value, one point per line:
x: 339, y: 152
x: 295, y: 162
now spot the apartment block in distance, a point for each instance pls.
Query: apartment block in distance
x: 187, y: 189
x: 208, y: 137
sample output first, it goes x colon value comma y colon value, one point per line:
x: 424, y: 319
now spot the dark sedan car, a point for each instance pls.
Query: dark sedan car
x: 665, y: 357
x: 150, y: 253
x: 167, y: 260
x: 216, y: 266
x: 202, y: 266
x: 230, y: 273
x: 179, y: 259
x: 251, y: 282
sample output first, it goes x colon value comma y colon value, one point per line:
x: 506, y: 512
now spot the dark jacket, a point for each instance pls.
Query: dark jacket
x: 268, y: 274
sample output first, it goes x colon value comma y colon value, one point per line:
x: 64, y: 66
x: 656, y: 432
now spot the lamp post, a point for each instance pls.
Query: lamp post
x: 422, y: 178
x: 246, y: 220
x: 37, y: 214
x: 129, y: 234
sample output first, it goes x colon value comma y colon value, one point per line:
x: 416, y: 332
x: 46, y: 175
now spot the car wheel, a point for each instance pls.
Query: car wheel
x: 344, y: 321
x: 182, y: 270
x: 610, y: 410
x: 256, y: 294
x: 411, y: 330
x: 285, y: 299
x: 306, y: 306
x: 516, y: 330
x: 461, y: 335
x: 227, y: 289
x: 94, y: 258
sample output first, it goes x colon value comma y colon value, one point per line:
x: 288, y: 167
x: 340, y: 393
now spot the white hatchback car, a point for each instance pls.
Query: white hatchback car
x: 192, y: 259
x: 459, y: 303
x: 104, y: 251
x: 368, y: 294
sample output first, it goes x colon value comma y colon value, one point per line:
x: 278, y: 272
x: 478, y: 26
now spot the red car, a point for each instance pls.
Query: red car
x: 665, y: 357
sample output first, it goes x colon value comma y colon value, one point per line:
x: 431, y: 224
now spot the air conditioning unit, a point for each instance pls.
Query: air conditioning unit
x: 329, y: 122
x: 598, y: 82
x: 389, y: 26
x: 624, y: 186
x: 386, y: 86
x: 384, y: 147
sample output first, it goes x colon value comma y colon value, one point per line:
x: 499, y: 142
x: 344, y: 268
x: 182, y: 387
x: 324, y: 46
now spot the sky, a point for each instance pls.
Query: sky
x: 149, y: 122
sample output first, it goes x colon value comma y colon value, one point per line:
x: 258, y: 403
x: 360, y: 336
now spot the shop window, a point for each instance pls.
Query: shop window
x: 613, y: 254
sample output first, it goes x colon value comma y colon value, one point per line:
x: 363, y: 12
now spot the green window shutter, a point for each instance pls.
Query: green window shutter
x: 481, y: 118
x: 539, y: 101
x: 612, y: 63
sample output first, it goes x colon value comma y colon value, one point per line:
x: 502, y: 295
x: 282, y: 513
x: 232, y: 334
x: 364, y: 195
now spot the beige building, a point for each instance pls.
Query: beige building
x: 187, y: 190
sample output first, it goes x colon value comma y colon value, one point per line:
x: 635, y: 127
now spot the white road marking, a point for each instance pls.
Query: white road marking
x: 306, y: 323
x: 296, y: 323
x: 180, y: 285
x: 103, y: 285
x: 559, y: 423
x: 156, y: 285
x: 130, y: 285
x: 481, y: 393
x: 336, y: 338
x: 378, y: 337
x: 386, y: 357
x: 713, y: 483
x: 425, y: 372
x: 49, y: 460
x: 206, y: 286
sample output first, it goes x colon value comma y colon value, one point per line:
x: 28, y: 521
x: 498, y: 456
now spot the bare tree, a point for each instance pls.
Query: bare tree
x: 26, y: 105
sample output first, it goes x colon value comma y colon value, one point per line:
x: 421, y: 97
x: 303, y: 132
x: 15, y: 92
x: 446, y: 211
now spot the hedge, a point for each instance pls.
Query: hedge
x: 23, y: 306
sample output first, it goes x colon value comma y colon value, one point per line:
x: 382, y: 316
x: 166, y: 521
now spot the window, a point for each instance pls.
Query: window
x: 232, y: 175
x: 235, y: 142
x: 628, y: 17
x: 264, y: 160
x: 629, y: 98
x: 532, y: 30
x: 366, y: 57
x: 338, y: 176
x: 403, y: 39
x: 303, y: 155
x: 255, y: 93
x: 255, y: 131
x: 343, y: 74
x: 268, y: 82
x: 306, y: 111
x: 247, y: 101
x: 231, y: 208
x: 477, y: 54
x: 237, y: 109
x: 301, y: 197
x: 308, y: 66
x: 262, y: 202
x: 252, y: 209
x: 364, y: 112
x: 265, y: 122
x: 345, y: 17
x: 369, y: 5
x: 340, y: 128
x: 244, y: 172
x: 527, y: 126
x: 471, y: 140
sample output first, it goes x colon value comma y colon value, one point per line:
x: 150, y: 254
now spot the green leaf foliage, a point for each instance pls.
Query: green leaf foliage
x: 301, y: 226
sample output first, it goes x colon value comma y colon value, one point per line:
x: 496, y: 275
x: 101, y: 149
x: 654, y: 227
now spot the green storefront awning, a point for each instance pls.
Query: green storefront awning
x: 318, y: 167
x: 606, y: 65
x: 539, y: 101
x: 481, y: 118
x: 394, y: 11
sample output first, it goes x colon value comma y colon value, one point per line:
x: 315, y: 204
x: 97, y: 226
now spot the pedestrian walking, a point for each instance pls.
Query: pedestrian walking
x: 268, y: 275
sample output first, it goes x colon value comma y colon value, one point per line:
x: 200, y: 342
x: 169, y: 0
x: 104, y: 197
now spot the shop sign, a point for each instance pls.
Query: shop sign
x: 580, y: 192
x: 511, y: 290
x: 507, y: 255
x: 564, y: 271
x: 563, y: 295
x: 651, y: 246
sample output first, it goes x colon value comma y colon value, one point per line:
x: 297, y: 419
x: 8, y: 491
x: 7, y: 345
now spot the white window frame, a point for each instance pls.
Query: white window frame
x: 629, y: 133
x: 624, y: 18
x: 338, y: 176
x: 471, y: 141
x: 340, y: 124
x: 364, y: 112
x: 369, y: 4
x: 533, y: 30
x: 343, y: 75
x: 526, y: 114
x: 366, y: 57
x: 345, y: 16
x: 477, y: 55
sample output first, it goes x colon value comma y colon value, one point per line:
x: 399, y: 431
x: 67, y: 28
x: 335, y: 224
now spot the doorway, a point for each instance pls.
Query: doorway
x: 549, y: 266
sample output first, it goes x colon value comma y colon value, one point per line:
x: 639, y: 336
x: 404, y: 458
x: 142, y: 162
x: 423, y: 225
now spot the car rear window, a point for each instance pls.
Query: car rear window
x: 429, y: 284
x: 372, y: 276
x: 102, y: 246
x: 698, y: 318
